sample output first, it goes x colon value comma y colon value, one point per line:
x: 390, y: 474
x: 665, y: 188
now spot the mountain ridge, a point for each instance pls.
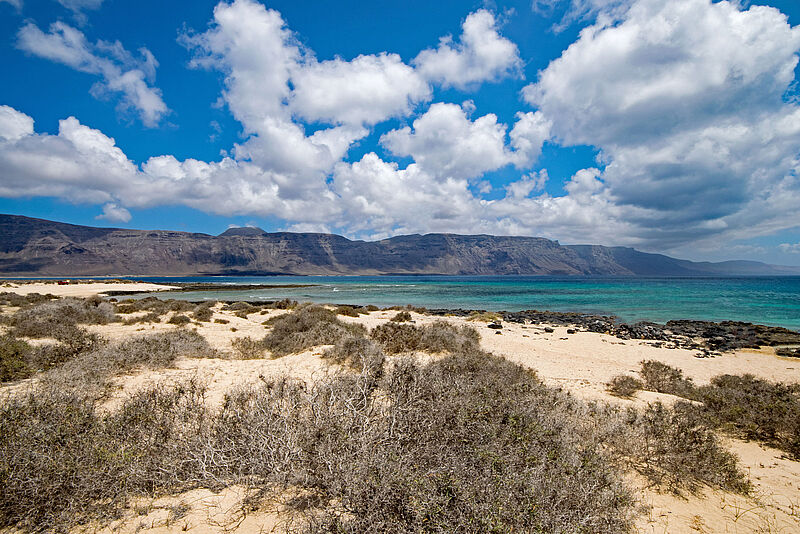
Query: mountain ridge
x: 39, y: 247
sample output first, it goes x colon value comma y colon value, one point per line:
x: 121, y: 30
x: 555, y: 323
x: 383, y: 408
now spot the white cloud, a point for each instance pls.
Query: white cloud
x: 14, y: 124
x: 114, y: 213
x: 79, y: 6
x: 16, y: 3
x: 790, y: 248
x: 366, y: 90
x: 120, y: 71
x: 581, y: 10
x: 684, y: 99
x: 481, y: 54
x: 444, y: 142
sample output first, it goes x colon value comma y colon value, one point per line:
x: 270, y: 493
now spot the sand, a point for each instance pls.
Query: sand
x: 84, y: 289
x: 581, y: 363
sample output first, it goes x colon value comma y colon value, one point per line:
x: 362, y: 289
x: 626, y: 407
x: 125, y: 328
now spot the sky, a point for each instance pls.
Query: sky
x: 670, y: 126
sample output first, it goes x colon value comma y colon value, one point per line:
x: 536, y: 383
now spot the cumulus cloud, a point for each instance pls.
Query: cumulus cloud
x: 16, y: 3
x: 14, y: 124
x: 481, y: 54
x: 367, y: 90
x: 791, y: 248
x: 114, y: 213
x: 445, y: 142
x: 685, y: 101
x: 120, y: 71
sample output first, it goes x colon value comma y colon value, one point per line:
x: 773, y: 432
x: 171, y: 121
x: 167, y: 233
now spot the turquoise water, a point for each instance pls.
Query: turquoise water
x: 763, y: 300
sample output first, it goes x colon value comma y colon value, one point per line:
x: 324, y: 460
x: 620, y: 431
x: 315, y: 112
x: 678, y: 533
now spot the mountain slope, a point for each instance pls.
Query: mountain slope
x: 37, y: 247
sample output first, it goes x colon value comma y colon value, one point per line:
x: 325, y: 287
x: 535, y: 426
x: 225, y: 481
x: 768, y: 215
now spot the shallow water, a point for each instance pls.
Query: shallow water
x: 764, y: 300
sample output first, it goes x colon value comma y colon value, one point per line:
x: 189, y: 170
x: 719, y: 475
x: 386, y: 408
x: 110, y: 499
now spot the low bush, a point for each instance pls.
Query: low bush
x: 676, y: 448
x: 401, y: 317
x: 14, y: 359
x: 359, y: 353
x: 348, y: 311
x: 439, y: 336
x: 753, y: 408
x: 247, y: 348
x: 58, y: 319
x: 467, y: 443
x: 149, y: 317
x: 663, y: 378
x: 91, y: 370
x: 180, y: 320
x: 203, y: 313
x: 307, y: 326
x: 624, y: 386
x: 22, y: 301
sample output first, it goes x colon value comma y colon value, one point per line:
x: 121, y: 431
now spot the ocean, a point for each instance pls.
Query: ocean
x: 763, y: 300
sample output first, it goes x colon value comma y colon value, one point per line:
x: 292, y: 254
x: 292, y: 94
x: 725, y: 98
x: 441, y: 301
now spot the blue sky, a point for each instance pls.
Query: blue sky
x: 667, y: 125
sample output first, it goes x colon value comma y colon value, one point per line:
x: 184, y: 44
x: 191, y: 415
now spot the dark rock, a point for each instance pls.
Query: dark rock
x: 494, y: 326
x: 571, y: 331
x: 548, y: 330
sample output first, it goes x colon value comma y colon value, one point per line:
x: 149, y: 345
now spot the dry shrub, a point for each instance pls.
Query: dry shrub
x: 467, y: 443
x: 22, y: 301
x: 58, y: 319
x: 91, y: 370
x: 753, y: 408
x: 358, y: 353
x: 180, y: 320
x: 247, y: 348
x: 14, y: 360
x: 203, y: 313
x: 484, y: 316
x: 63, y: 464
x: 746, y: 406
x: 624, y: 386
x: 149, y: 317
x: 285, y: 304
x: 307, y: 326
x: 371, y: 308
x: 401, y: 317
x: 439, y: 336
x: 348, y: 311
x: 154, y: 305
x: 663, y: 378
x: 674, y: 448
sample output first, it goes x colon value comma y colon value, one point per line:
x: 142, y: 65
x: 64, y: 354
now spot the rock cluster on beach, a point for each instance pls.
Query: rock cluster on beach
x: 707, y: 337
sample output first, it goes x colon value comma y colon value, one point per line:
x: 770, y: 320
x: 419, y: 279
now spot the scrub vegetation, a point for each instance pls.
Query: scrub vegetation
x: 465, y: 442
